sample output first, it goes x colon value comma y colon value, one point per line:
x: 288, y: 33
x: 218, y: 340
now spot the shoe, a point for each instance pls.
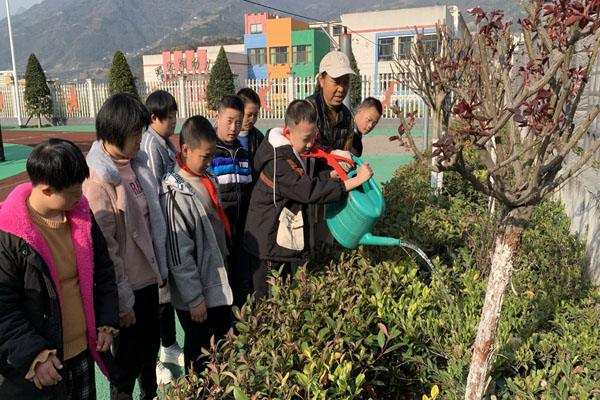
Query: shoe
x: 172, y: 355
x: 163, y: 374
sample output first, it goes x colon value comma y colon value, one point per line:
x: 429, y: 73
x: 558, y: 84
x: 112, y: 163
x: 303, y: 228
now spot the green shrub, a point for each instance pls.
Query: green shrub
x: 373, y: 323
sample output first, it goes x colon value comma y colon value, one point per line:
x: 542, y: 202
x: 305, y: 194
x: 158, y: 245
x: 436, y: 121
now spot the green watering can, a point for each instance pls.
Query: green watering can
x: 351, y: 220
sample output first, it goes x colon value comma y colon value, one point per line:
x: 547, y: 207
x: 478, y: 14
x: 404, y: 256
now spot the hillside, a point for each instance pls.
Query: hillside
x: 75, y: 39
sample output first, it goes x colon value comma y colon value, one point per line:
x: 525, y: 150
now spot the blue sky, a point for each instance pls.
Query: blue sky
x: 16, y: 5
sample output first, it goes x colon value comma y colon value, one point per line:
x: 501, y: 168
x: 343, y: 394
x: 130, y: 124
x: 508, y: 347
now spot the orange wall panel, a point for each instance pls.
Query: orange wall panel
x: 279, y: 32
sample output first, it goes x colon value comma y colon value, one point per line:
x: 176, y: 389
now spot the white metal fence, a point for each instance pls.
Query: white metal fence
x: 85, y: 99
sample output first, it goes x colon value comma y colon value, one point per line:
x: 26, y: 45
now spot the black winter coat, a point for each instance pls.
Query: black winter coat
x: 30, y: 314
x: 255, y: 138
x: 283, y: 182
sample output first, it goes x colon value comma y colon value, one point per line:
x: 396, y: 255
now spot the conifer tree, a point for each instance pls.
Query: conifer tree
x: 120, y: 79
x: 355, y: 90
x: 221, y: 81
x: 38, y: 100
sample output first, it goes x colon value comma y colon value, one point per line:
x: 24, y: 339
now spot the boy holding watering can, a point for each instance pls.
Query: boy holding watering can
x: 291, y: 176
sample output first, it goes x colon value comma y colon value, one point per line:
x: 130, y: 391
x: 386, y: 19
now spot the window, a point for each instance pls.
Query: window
x: 404, y: 47
x: 337, y: 30
x: 386, y: 49
x: 279, y: 55
x: 302, y: 54
x: 255, y: 28
x: 257, y: 56
x: 430, y: 43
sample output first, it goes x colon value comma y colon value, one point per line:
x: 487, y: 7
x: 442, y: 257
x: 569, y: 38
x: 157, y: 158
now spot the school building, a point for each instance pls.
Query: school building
x: 274, y: 47
x: 277, y: 46
x: 171, y: 65
x: 380, y: 37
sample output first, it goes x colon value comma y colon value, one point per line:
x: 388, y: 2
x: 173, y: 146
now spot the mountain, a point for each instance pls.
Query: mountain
x: 75, y: 39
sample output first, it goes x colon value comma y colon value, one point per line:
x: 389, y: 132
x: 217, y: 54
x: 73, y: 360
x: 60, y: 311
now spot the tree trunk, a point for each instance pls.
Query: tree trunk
x: 437, y: 178
x: 39, y: 121
x: 436, y: 124
x: 508, y: 240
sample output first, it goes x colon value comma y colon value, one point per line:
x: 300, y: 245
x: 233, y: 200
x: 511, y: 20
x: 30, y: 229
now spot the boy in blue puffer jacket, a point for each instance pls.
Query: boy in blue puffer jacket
x: 233, y: 170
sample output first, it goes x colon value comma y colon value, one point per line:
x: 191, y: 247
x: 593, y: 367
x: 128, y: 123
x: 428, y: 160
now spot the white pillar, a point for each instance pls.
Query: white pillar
x: 290, y: 87
x: 91, y: 99
x: 182, y: 101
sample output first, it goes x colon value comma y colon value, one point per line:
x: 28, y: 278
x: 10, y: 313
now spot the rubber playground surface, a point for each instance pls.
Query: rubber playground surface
x: 18, y: 143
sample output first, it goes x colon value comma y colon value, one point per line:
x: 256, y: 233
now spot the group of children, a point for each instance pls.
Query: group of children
x: 102, y: 251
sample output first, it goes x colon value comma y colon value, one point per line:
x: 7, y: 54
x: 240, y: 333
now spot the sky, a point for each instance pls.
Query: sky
x: 15, y: 5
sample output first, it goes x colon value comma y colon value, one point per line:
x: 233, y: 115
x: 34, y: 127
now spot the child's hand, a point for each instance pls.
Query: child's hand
x: 364, y: 172
x: 198, y: 313
x: 334, y: 174
x: 46, y: 373
x: 104, y: 341
x: 128, y: 319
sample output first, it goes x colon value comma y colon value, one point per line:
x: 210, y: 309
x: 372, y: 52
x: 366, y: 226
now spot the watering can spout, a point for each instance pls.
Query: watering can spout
x: 369, y: 239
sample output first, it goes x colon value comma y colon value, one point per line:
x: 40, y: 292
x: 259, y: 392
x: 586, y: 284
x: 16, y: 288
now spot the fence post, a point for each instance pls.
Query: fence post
x: 182, y: 102
x: 290, y: 87
x: 91, y: 98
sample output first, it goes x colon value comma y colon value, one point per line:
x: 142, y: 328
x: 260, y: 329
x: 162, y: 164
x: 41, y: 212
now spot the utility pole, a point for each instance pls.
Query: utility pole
x: 346, y: 48
x: 14, y: 65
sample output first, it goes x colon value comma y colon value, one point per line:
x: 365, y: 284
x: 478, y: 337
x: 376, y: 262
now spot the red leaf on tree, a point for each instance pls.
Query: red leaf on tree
x: 573, y: 18
x: 542, y: 94
x: 477, y: 11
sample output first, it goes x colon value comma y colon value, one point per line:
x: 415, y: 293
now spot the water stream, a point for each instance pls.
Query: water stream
x: 432, y: 267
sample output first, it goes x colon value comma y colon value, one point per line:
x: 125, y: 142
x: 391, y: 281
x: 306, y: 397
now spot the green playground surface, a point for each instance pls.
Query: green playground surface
x: 391, y: 132
x: 102, y: 385
x: 384, y: 165
x: 16, y: 158
x: 58, y: 128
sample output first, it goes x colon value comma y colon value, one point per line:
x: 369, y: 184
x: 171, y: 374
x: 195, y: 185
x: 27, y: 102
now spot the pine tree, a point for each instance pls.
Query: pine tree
x: 221, y: 81
x: 120, y: 78
x: 356, y: 89
x: 38, y: 100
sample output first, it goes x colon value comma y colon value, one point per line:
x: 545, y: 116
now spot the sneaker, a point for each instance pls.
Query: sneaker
x: 163, y: 374
x: 172, y: 355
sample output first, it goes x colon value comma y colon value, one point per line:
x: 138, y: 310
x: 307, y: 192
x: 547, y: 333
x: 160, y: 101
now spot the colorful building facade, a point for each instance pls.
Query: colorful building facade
x: 277, y: 46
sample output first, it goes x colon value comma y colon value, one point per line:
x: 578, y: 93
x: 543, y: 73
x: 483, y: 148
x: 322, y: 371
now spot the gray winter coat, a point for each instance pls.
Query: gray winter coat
x: 161, y: 157
x: 197, y: 270
x: 161, y: 154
